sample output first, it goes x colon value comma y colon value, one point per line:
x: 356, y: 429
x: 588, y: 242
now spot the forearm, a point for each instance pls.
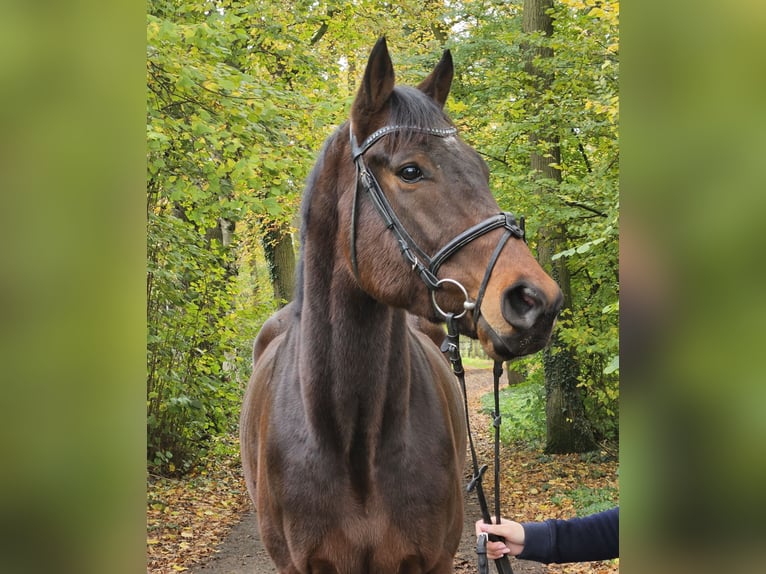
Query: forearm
x: 594, y: 537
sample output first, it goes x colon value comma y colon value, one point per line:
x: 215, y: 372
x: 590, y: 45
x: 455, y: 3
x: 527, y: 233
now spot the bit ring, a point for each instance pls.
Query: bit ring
x: 467, y: 303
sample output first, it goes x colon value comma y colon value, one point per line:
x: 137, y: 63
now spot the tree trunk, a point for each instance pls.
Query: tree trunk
x: 280, y: 257
x: 568, y: 429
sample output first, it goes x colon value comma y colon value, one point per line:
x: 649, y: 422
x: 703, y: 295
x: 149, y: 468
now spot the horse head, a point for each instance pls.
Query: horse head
x: 419, y: 227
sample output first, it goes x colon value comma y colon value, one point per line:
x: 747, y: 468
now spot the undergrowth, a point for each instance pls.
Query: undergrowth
x: 588, y: 500
x: 522, y: 408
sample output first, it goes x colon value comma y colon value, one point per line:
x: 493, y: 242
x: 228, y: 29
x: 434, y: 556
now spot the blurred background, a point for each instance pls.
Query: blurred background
x: 75, y: 162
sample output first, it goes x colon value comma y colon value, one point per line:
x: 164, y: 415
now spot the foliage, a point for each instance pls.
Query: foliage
x: 500, y: 102
x: 522, y: 408
x: 240, y: 97
x: 206, y: 115
x: 587, y: 500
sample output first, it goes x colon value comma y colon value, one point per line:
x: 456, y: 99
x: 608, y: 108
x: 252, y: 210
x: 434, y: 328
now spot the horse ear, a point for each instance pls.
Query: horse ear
x: 438, y: 83
x: 377, y: 85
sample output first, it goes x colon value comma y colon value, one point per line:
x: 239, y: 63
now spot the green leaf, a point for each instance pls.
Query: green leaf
x: 613, y: 366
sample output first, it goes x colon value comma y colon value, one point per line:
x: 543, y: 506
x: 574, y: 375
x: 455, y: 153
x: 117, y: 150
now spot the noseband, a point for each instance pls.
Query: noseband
x: 426, y: 266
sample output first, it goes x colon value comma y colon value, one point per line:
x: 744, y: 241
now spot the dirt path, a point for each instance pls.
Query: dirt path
x: 243, y: 553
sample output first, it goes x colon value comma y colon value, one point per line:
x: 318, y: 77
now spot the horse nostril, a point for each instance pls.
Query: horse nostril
x: 522, y: 305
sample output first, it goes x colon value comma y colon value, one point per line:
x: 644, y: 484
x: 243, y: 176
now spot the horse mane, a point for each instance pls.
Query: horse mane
x: 407, y: 107
x: 305, y: 213
x: 412, y: 108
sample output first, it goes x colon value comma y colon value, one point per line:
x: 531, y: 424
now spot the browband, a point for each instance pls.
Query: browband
x: 357, y: 150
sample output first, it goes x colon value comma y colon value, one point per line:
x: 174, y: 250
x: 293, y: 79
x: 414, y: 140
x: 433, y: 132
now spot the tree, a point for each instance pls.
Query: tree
x: 546, y: 121
x: 568, y: 428
x: 216, y: 139
x: 240, y: 97
x: 280, y: 257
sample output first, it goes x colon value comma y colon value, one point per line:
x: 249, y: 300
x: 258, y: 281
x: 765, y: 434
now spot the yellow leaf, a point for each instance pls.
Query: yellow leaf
x: 152, y: 541
x: 187, y: 534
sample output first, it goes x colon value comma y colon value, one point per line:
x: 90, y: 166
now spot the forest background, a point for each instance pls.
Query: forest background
x: 241, y: 96
x: 73, y: 175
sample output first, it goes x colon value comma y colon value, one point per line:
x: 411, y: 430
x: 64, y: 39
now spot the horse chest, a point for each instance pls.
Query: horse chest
x: 397, y: 476
x: 326, y: 520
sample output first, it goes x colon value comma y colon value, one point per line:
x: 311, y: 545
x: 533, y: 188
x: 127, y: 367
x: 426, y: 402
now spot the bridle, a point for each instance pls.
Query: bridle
x: 427, y: 268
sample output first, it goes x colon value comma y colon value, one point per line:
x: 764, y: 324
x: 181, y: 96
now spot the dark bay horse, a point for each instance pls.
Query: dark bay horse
x: 352, y: 430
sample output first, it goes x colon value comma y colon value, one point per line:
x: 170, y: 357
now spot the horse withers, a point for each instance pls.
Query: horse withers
x: 352, y: 430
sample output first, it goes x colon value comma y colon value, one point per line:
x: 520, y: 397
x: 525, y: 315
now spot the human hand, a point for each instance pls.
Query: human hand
x: 513, y: 532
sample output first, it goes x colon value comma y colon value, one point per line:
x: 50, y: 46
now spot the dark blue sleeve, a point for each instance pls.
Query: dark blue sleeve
x: 594, y: 537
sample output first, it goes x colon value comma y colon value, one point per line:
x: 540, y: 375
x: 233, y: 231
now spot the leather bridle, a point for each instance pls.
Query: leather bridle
x: 427, y: 268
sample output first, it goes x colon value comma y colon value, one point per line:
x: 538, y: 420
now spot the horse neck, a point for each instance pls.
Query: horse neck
x: 355, y: 361
x: 354, y: 356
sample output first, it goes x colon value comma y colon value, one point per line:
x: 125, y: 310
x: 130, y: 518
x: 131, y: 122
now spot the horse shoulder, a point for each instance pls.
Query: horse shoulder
x: 256, y: 405
x: 271, y: 329
x: 434, y: 331
x: 446, y: 382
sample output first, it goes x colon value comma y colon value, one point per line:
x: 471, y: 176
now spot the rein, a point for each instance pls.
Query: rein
x: 427, y: 267
x: 452, y: 348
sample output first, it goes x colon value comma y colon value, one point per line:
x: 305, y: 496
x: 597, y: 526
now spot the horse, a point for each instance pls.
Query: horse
x: 352, y: 430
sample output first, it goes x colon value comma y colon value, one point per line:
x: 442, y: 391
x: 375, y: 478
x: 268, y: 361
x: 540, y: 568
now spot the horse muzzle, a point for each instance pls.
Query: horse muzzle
x: 529, y: 318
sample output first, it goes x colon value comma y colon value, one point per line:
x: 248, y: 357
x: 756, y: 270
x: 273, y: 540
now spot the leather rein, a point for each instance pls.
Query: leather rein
x: 451, y: 346
x: 427, y: 268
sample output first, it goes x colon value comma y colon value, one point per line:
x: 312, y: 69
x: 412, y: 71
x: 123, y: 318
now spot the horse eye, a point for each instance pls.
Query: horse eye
x: 410, y: 174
